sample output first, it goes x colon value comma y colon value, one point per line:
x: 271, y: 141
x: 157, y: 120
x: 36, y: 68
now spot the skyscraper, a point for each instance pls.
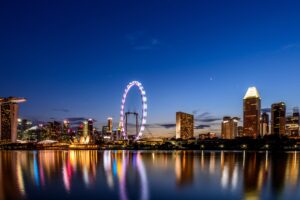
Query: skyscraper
x: 85, y: 129
x: 296, y: 114
x: 278, y: 118
x: 91, y: 126
x: 229, y: 127
x: 184, y: 126
x: 264, y: 124
x: 110, y: 124
x: 252, y: 106
x: 54, y: 130
x: 292, y: 123
x: 9, y: 118
x: 23, y: 125
x: 66, y: 127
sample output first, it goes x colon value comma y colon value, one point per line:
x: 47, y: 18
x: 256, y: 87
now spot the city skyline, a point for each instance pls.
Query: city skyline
x: 205, y: 126
x: 151, y: 99
x: 199, y: 58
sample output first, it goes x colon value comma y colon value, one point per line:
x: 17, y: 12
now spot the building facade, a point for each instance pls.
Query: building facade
x: 85, y: 129
x: 184, y: 126
x: 292, y: 123
x: 252, y: 107
x: 91, y: 127
x: 54, y: 130
x: 66, y: 127
x: 206, y: 136
x: 278, y: 113
x: 9, y: 108
x: 110, y: 124
x: 264, y: 124
x: 229, y: 128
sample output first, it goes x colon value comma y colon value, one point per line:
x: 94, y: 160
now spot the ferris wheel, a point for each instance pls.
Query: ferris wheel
x: 140, y: 127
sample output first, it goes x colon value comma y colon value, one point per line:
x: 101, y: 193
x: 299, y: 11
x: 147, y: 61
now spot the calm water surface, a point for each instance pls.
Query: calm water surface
x: 146, y: 175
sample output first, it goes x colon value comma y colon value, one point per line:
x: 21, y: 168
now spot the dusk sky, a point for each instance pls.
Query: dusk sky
x: 75, y: 58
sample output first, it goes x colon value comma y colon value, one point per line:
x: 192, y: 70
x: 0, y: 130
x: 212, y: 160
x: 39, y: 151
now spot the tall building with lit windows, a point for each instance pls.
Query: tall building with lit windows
x: 85, y: 130
x: 184, y: 126
x: 252, y: 107
x: 9, y: 108
x: 110, y: 124
x: 91, y: 127
x: 264, y: 124
x: 292, y: 123
x: 229, y: 127
x: 278, y: 113
x: 66, y: 127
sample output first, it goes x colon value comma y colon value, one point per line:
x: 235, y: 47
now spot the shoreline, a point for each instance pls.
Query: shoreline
x: 271, y: 144
x: 97, y: 147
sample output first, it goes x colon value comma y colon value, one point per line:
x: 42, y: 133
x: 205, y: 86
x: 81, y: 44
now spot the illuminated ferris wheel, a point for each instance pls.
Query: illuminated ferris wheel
x: 123, y: 116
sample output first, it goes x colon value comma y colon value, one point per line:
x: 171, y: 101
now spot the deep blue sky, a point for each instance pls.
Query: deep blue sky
x: 74, y: 59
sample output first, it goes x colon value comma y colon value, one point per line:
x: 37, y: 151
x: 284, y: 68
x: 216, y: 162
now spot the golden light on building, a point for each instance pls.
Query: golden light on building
x: 229, y: 127
x: 184, y: 126
x: 252, y: 107
x: 278, y: 113
x: 110, y: 124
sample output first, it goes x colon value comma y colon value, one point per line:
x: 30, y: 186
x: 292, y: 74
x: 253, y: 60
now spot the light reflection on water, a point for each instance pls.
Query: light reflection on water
x: 147, y: 175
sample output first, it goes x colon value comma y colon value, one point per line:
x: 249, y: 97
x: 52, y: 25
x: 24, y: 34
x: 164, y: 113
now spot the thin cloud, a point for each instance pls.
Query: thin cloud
x: 76, y: 119
x: 152, y: 126
x: 61, y: 110
x: 207, y: 120
x: 167, y: 126
x: 155, y: 41
x: 289, y: 46
x: 142, y: 41
x: 202, y: 126
x: 205, y: 114
x: 195, y: 112
x: 206, y: 117
x: 146, y: 47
